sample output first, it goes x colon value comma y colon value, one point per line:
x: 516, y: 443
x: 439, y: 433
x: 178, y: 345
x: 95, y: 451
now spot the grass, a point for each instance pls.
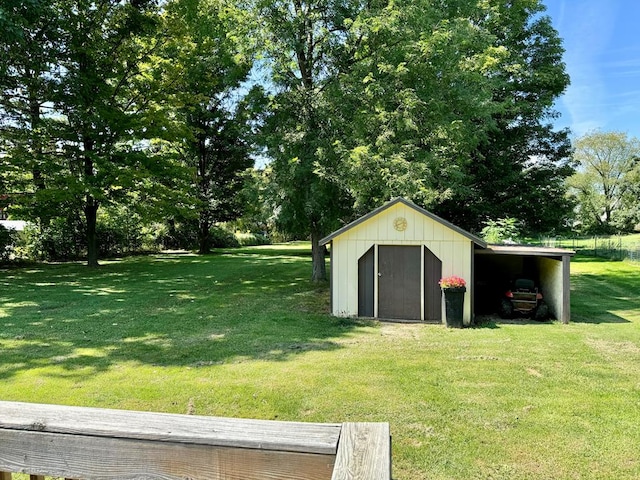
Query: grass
x: 244, y: 334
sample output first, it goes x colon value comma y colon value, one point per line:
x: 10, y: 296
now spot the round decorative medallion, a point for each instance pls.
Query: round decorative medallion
x: 400, y: 224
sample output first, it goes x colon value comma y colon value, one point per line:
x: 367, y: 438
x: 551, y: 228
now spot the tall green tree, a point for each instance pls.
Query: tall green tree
x: 305, y: 41
x: 105, y: 100
x: 521, y: 167
x: 606, y: 183
x: 30, y: 49
x: 458, y: 103
x: 209, y: 57
x: 421, y: 97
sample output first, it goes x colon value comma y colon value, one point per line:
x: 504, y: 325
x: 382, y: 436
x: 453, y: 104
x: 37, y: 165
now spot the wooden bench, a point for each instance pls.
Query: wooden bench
x: 93, y: 443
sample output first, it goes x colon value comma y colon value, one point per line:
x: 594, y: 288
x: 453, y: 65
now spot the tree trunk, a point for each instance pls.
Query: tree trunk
x: 319, y: 272
x: 204, y: 240
x: 91, y: 215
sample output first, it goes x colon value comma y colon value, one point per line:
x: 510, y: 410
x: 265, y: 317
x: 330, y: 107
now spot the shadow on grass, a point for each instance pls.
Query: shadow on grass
x: 165, y: 310
x: 494, y: 321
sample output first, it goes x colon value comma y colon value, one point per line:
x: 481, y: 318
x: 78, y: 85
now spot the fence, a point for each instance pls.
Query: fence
x: 614, y: 248
x: 91, y: 443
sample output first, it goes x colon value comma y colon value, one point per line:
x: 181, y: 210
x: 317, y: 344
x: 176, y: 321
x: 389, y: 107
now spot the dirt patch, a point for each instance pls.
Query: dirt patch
x: 611, y: 348
x: 400, y: 330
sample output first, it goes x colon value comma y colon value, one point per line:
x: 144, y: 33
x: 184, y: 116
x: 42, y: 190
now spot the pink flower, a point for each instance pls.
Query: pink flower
x: 452, y: 282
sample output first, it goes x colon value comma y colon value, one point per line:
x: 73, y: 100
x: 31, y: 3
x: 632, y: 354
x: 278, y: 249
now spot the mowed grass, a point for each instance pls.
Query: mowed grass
x: 245, y: 334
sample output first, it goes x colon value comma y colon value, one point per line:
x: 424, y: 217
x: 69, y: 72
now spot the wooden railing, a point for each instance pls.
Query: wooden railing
x: 91, y: 443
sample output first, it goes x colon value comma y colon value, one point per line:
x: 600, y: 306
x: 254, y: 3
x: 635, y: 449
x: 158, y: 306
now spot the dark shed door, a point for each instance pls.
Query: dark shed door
x: 432, y: 292
x: 366, y: 272
x: 399, y: 282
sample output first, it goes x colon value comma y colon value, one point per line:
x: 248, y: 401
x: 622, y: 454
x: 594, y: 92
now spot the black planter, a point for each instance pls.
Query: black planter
x: 454, y: 306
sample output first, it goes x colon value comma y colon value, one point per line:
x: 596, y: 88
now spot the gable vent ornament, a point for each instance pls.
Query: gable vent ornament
x: 400, y: 224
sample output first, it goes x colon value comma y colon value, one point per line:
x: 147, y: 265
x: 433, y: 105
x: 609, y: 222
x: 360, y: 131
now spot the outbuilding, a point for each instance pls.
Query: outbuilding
x: 388, y: 264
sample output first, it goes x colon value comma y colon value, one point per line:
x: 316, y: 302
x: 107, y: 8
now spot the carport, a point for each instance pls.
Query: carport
x: 497, y: 265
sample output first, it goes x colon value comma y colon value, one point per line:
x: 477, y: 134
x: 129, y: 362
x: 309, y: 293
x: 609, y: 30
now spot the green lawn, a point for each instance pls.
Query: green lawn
x: 244, y: 334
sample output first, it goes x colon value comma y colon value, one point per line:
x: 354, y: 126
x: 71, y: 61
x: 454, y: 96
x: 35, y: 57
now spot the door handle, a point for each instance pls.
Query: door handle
x: 379, y: 274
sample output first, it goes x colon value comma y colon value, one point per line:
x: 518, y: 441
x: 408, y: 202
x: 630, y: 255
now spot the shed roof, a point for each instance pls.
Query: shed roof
x: 477, y: 240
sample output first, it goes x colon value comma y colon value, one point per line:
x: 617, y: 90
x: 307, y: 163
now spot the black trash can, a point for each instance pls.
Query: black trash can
x: 454, y: 306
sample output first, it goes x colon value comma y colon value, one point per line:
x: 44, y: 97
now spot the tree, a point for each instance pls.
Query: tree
x: 208, y: 59
x: 519, y: 168
x: 421, y: 97
x: 305, y: 41
x: 30, y: 48
x: 105, y: 97
x: 605, y: 186
x: 458, y: 101
x: 80, y: 102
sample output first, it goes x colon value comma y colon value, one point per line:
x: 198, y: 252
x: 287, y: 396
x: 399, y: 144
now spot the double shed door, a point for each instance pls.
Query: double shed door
x: 407, y: 280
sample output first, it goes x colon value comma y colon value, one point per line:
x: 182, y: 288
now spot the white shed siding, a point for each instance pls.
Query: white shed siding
x: 452, y: 248
x: 551, y: 280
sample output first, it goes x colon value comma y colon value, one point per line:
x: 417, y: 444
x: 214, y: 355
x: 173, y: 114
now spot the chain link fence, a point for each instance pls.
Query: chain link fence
x: 614, y: 248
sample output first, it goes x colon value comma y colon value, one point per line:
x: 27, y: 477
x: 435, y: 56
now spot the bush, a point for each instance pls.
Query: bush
x: 501, y: 230
x: 221, y: 238
x: 7, y: 243
x: 176, y: 235
x: 119, y: 233
x: 252, y: 239
x: 61, y: 239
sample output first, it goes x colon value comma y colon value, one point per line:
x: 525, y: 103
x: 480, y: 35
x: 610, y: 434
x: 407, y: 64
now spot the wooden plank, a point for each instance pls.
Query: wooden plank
x: 36, y: 477
x: 192, y: 429
x: 5, y: 476
x: 364, y: 452
x: 102, y: 458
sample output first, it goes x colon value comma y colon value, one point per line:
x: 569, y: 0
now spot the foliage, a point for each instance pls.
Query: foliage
x: 119, y: 232
x: 606, y: 186
x: 208, y: 58
x: 175, y: 235
x: 152, y: 333
x: 184, y: 235
x: 519, y: 169
x: 221, y: 238
x: 452, y: 104
x: 81, y: 95
x: 420, y: 102
x: 501, y: 230
x: 63, y: 238
x: 304, y: 43
x: 7, y: 243
x: 257, y: 197
x: 252, y: 239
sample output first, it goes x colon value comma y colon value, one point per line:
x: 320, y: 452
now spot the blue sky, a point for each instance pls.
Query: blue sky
x: 602, y: 55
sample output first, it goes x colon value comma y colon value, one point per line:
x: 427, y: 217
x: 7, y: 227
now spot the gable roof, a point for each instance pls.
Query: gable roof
x: 477, y: 240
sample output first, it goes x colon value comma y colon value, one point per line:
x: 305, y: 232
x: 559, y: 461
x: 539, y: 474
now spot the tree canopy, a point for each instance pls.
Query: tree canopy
x: 606, y: 184
x: 158, y: 107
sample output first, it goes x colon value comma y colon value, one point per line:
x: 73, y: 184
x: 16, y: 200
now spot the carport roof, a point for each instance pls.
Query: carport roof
x: 529, y: 250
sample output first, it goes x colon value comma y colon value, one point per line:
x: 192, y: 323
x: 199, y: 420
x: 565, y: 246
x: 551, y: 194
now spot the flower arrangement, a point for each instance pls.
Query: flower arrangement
x: 452, y: 282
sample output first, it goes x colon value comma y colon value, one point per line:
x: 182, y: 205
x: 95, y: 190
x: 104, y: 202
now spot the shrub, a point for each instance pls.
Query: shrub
x: 252, y: 239
x: 176, y: 235
x: 61, y: 239
x: 221, y: 238
x: 119, y: 233
x: 501, y: 231
x: 7, y: 243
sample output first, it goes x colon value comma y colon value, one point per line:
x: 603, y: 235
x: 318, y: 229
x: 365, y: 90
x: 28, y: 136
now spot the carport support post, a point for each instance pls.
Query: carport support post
x: 566, y: 289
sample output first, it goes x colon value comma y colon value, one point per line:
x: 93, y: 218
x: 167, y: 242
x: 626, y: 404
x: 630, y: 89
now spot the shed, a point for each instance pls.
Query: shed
x: 387, y: 265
